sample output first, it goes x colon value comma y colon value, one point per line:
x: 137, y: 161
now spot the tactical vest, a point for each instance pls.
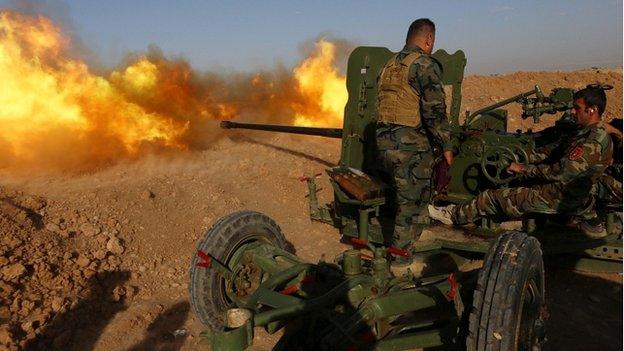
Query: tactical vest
x: 399, y: 103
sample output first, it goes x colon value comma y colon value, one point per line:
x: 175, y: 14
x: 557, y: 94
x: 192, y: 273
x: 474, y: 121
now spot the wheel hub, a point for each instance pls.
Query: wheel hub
x: 246, y: 280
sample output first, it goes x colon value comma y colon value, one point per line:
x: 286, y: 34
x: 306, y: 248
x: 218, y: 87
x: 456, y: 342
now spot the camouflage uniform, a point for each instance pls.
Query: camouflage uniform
x: 569, y: 188
x: 406, y: 153
x: 608, y: 192
x: 609, y: 187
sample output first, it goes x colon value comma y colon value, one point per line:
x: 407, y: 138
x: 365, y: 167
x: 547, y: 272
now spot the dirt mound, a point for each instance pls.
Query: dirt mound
x: 480, y: 91
x: 50, y: 271
x: 99, y: 261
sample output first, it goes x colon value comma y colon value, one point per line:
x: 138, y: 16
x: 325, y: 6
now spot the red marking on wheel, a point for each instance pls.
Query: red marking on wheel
x: 290, y: 290
x: 205, y: 259
x: 453, y: 291
x: 398, y: 252
x: 359, y: 242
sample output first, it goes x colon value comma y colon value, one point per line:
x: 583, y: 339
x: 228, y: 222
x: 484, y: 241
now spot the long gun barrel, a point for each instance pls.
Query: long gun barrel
x: 324, y: 132
x: 473, y: 116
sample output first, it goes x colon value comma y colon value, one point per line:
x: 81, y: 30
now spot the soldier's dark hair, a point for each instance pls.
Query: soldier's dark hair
x: 593, y: 95
x: 420, y: 26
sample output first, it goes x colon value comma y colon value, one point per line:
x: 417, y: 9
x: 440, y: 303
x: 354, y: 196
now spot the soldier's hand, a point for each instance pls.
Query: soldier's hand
x: 448, y: 156
x: 516, y: 168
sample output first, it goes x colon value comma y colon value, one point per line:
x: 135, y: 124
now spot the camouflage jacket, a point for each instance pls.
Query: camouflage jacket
x: 552, y: 142
x: 425, y: 76
x: 586, y: 157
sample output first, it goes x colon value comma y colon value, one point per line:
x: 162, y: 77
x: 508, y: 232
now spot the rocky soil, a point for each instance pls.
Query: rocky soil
x: 99, y: 260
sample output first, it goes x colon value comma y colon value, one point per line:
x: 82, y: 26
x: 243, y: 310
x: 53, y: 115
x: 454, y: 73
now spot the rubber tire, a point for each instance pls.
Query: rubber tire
x: 513, y: 261
x: 207, y: 296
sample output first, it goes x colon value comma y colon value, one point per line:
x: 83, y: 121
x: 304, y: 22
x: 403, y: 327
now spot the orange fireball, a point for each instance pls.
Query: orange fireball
x: 53, y: 106
x: 55, y: 113
x: 319, y: 82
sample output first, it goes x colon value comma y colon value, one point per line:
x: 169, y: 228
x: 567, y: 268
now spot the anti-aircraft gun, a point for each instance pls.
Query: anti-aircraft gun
x: 243, y: 275
x: 486, y: 148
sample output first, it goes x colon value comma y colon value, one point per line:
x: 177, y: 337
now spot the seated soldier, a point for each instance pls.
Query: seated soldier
x: 568, y: 182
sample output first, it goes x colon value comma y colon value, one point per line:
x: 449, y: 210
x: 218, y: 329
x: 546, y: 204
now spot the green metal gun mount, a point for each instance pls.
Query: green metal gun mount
x: 486, y: 148
x: 243, y: 276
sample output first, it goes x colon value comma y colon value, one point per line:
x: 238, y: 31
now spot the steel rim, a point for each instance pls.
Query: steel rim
x: 530, y: 331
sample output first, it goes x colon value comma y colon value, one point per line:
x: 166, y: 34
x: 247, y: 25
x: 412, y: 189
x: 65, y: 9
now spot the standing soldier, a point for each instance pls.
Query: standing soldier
x: 568, y: 182
x: 412, y: 126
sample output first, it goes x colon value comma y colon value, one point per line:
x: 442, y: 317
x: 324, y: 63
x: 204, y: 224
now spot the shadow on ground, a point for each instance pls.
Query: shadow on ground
x: 585, y: 310
x: 80, y: 326
x: 288, y: 151
x: 166, y: 332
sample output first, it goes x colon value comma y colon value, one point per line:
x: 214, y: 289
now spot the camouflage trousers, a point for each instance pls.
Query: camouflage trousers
x: 609, y: 192
x: 405, y: 161
x: 510, y: 203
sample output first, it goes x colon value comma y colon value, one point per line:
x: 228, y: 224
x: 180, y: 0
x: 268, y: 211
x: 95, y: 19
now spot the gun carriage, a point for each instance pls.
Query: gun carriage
x: 244, y: 277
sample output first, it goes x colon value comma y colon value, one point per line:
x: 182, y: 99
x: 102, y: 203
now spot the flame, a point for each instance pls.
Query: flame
x: 56, y: 113
x: 45, y: 95
x: 142, y: 76
x: 322, y: 87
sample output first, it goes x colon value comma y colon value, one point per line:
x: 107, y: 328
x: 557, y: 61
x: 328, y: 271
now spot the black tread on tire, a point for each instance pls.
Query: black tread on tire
x: 508, y: 302
x: 207, y: 288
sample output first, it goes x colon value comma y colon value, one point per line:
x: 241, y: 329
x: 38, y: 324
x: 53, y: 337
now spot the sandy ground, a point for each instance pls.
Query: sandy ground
x: 99, y: 261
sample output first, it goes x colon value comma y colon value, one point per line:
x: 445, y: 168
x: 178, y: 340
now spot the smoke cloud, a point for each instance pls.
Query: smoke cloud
x: 60, y: 113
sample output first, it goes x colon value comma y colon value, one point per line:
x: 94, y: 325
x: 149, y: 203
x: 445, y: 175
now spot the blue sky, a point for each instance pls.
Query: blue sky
x: 497, y: 36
